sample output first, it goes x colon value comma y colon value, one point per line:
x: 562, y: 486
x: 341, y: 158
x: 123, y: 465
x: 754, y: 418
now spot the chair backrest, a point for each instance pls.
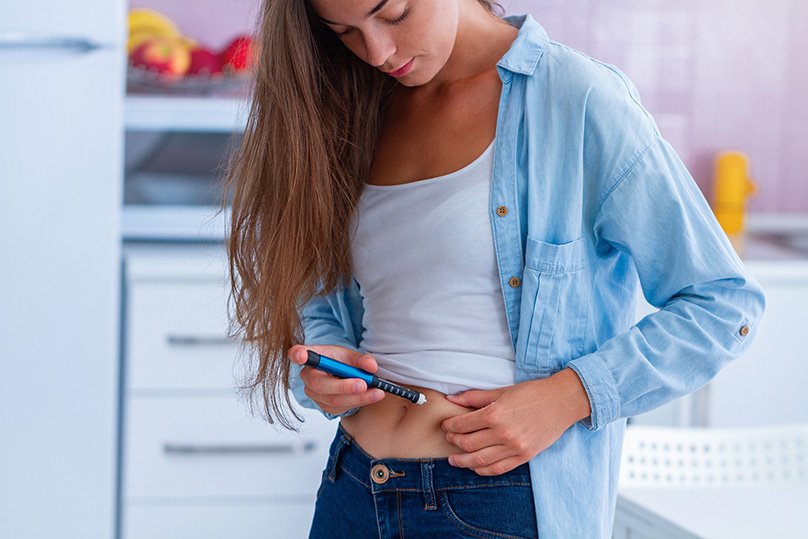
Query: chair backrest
x: 704, y: 456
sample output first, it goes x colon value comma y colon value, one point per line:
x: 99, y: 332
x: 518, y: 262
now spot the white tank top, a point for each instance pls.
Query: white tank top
x: 423, y: 256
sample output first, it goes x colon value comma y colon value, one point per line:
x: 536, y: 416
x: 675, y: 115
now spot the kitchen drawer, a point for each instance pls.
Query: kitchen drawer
x: 176, y: 336
x: 212, y: 447
x: 215, y: 521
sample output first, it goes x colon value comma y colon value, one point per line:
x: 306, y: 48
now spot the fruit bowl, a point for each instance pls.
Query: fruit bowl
x: 161, y: 59
x: 146, y: 81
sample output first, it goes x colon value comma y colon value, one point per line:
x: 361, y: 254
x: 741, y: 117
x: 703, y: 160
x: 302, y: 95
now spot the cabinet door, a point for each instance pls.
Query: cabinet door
x: 198, y: 448
x: 176, y: 337
x: 60, y: 211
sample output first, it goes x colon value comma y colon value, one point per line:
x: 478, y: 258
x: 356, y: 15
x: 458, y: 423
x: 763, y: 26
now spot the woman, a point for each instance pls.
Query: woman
x: 461, y: 205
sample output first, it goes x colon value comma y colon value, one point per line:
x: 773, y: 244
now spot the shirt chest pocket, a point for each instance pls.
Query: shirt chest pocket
x: 553, y: 309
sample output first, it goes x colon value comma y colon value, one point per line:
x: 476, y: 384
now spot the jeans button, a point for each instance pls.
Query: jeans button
x: 379, y: 474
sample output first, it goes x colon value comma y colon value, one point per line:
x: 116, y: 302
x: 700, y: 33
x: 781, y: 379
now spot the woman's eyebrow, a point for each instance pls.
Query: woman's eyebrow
x: 379, y: 6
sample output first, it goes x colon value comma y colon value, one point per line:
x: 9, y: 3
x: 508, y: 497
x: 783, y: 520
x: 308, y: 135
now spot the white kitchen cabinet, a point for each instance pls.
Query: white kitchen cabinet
x: 195, y: 462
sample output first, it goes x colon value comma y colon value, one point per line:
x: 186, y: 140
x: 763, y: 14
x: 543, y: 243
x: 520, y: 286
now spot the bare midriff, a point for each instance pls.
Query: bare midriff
x: 397, y: 428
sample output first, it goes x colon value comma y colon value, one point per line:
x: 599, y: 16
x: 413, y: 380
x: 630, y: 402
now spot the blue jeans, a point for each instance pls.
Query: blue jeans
x: 397, y: 498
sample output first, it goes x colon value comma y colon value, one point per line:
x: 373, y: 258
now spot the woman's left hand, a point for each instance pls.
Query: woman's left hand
x: 514, y: 423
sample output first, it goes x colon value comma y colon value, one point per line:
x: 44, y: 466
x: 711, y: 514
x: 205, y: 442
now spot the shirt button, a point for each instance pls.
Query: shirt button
x: 379, y: 474
x: 502, y: 211
x: 743, y: 331
x: 514, y: 282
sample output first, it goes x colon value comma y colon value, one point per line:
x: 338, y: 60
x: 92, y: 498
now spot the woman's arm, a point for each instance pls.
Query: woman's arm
x: 710, y: 306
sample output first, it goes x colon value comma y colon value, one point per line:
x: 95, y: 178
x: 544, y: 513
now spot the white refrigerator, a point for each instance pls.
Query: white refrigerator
x: 62, y: 84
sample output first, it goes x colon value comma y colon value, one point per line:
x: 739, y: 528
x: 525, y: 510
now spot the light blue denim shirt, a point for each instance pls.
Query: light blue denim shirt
x: 588, y: 202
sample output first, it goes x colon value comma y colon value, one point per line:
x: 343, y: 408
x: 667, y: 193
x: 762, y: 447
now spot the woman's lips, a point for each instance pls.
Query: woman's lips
x: 403, y: 71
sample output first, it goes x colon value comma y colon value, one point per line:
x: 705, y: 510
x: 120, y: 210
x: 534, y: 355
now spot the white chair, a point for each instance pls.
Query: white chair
x: 720, y: 457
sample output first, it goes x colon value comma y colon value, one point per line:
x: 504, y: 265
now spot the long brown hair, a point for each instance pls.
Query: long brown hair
x: 296, y: 176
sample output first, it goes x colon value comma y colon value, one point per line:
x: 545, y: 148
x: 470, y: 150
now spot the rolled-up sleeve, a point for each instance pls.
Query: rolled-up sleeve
x: 320, y: 326
x: 710, y: 307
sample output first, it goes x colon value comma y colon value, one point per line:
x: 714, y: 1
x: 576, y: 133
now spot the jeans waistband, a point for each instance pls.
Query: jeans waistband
x: 426, y: 475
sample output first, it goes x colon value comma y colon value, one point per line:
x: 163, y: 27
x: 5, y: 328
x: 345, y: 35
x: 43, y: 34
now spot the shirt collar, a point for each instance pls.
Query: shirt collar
x: 527, y: 48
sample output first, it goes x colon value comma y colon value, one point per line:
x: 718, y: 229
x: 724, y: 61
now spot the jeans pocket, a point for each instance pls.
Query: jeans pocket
x: 495, y: 512
x: 553, y: 308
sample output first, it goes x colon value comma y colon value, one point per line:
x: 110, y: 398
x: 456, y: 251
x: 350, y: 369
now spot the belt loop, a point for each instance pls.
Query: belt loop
x: 333, y: 459
x: 426, y: 478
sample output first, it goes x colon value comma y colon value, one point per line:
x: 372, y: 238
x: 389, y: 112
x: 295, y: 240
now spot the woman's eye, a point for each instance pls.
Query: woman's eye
x: 401, y: 18
x: 394, y: 22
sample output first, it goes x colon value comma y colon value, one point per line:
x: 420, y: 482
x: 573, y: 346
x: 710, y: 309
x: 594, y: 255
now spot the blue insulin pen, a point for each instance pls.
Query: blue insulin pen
x: 343, y: 370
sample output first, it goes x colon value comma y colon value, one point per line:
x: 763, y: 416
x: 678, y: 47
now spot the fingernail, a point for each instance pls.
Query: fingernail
x: 451, y: 461
x: 358, y: 386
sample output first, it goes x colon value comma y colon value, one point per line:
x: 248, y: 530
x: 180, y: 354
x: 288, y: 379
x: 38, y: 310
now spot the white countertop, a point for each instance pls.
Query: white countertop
x: 753, y: 512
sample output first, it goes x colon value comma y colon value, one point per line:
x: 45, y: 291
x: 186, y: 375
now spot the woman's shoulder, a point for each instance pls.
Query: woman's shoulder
x: 585, y: 91
x: 575, y: 69
x: 558, y: 72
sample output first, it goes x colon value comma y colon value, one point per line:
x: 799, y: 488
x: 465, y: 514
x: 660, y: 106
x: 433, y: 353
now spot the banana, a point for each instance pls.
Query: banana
x: 143, y: 19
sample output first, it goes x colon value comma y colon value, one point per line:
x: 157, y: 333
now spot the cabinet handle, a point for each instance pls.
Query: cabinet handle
x: 291, y: 447
x: 198, y: 340
x: 19, y: 40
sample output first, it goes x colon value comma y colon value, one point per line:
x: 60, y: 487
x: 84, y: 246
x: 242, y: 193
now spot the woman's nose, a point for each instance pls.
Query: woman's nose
x: 378, y: 48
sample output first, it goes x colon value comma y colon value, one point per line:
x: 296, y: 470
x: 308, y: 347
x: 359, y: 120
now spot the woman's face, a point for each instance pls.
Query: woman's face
x: 417, y: 35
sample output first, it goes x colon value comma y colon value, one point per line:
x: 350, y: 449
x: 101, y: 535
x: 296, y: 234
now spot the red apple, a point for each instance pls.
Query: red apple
x: 165, y: 55
x: 204, y: 62
x: 238, y: 54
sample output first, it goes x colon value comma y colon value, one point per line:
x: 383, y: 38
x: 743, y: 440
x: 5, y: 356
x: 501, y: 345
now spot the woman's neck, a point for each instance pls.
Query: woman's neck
x: 482, y: 39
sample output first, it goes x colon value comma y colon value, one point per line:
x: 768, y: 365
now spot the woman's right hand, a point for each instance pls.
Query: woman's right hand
x: 333, y: 394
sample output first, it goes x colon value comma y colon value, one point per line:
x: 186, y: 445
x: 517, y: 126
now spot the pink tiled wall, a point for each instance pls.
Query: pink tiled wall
x: 716, y: 74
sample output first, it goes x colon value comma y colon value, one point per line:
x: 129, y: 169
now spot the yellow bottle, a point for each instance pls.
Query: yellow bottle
x: 731, y: 189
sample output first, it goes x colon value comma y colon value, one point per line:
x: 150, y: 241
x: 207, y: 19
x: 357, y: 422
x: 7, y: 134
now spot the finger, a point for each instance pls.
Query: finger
x: 299, y: 353
x: 344, y: 400
x: 295, y: 354
x: 307, y: 374
x: 474, y: 440
x: 468, y: 422
x: 480, y: 458
x: 500, y: 467
x: 476, y: 398
x: 361, y: 399
x: 323, y: 383
x: 368, y: 363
